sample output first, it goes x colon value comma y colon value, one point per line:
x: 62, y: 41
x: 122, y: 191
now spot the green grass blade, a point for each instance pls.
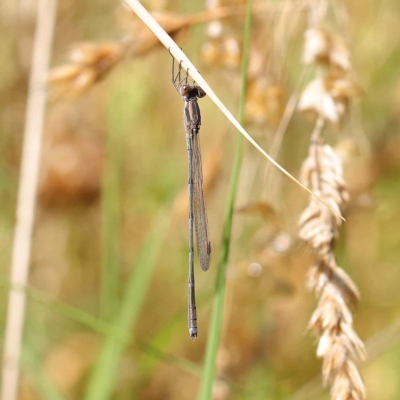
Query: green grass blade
x: 101, y: 383
x: 73, y: 313
x: 107, y: 329
x: 111, y: 211
x: 214, y: 337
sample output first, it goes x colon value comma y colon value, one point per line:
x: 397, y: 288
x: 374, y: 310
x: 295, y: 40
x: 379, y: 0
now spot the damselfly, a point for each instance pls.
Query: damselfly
x: 197, y: 208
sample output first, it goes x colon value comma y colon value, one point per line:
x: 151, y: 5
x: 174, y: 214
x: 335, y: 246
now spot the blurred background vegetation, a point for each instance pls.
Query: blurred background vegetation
x: 109, y: 261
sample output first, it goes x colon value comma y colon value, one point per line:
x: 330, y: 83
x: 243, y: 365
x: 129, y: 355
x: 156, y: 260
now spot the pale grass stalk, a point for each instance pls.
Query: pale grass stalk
x: 179, y: 55
x: 21, y: 254
x: 339, y: 346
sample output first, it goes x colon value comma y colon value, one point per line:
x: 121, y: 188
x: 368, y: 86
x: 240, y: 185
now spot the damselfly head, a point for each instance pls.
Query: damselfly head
x: 188, y: 91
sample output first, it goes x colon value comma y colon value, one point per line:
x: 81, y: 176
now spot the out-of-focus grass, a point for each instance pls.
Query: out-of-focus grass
x: 32, y: 364
x: 111, y: 207
x: 100, y: 385
x: 99, y: 326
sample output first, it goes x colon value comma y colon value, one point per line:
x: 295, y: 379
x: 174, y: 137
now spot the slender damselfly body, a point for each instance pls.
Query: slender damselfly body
x: 197, y: 208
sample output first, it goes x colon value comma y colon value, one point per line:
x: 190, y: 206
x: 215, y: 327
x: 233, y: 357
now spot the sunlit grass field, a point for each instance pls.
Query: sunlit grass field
x: 107, y: 296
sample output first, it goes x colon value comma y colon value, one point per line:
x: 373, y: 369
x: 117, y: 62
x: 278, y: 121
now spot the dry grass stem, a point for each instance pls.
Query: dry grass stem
x: 21, y: 255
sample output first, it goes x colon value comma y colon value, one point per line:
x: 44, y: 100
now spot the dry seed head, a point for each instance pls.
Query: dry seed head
x: 322, y: 48
x: 85, y: 80
x: 93, y: 53
x: 64, y: 73
x: 329, y: 97
x: 322, y: 171
x: 322, y: 272
x: 339, y: 54
x: 316, y: 46
x: 338, y: 343
x: 89, y: 63
x: 332, y: 321
x: 343, y: 88
x: 222, y: 52
x: 348, y: 384
x: 318, y: 99
x: 210, y: 52
x: 331, y: 310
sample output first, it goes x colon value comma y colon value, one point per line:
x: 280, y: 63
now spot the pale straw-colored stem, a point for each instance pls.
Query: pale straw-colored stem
x: 21, y: 254
x: 315, y: 147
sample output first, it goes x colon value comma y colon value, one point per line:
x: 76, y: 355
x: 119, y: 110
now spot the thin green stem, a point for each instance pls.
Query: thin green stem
x: 215, y: 331
x: 111, y: 217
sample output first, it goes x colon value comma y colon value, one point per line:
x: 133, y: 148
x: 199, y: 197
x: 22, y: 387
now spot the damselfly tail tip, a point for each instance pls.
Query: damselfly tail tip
x: 193, y: 333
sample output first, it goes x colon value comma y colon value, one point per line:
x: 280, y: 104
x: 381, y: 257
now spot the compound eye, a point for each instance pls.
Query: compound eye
x: 183, y: 90
x: 200, y: 92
